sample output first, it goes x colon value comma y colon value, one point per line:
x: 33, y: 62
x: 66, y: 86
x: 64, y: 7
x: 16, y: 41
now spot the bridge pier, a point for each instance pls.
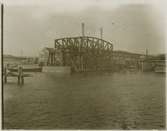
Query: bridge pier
x: 20, y: 76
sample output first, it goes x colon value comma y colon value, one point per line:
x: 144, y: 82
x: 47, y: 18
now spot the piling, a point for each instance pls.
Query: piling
x: 20, y: 75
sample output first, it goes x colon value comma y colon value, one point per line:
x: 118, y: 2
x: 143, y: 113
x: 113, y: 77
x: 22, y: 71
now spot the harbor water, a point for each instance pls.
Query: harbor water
x: 86, y: 101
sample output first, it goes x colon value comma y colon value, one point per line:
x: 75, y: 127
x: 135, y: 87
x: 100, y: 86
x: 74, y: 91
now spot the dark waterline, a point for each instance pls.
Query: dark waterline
x: 86, y: 101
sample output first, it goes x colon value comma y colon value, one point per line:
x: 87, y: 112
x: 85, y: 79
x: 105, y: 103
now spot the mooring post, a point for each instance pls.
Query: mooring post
x: 18, y: 80
x: 20, y: 75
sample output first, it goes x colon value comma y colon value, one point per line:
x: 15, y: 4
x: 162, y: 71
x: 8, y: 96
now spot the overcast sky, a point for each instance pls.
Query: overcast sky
x: 130, y: 26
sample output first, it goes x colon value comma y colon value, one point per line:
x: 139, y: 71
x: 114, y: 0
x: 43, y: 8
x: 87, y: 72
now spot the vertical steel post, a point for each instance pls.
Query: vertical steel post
x: 101, y: 33
x: 83, y: 29
x: 82, y: 42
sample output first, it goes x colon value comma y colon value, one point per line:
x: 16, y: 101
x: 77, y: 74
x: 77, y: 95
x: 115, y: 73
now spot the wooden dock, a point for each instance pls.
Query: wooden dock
x: 18, y: 73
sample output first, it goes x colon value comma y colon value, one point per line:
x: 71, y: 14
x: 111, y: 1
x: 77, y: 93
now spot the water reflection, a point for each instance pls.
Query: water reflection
x: 87, y: 101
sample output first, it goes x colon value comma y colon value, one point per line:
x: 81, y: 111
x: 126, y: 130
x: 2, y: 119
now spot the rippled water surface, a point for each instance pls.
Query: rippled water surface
x: 86, y: 101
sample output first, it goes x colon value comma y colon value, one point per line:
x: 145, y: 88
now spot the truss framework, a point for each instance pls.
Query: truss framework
x: 85, y: 53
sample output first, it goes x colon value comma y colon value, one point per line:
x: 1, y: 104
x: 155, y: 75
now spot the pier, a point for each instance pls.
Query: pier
x: 19, y: 73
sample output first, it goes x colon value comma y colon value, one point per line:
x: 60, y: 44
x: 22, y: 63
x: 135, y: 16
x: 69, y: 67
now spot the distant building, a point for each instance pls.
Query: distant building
x: 124, y: 58
x: 154, y: 63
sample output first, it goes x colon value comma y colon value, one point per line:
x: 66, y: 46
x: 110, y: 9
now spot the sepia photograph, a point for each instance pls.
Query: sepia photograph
x: 83, y: 65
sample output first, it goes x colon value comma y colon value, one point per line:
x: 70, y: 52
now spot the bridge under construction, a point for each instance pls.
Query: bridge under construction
x: 86, y: 53
x: 83, y: 53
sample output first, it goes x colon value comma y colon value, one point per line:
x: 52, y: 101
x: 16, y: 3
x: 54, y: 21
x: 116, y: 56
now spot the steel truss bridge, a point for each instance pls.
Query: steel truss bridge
x: 85, y: 53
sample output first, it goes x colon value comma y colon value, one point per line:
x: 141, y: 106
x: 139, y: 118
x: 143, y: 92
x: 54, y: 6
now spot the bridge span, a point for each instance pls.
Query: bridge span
x: 83, y: 53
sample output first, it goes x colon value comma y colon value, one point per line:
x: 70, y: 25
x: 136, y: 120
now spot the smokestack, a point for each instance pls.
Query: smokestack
x: 101, y: 33
x: 146, y: 52
x: 83, y: 29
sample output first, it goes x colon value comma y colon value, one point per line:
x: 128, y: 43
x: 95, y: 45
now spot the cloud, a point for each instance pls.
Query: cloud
x: 132, y: 27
